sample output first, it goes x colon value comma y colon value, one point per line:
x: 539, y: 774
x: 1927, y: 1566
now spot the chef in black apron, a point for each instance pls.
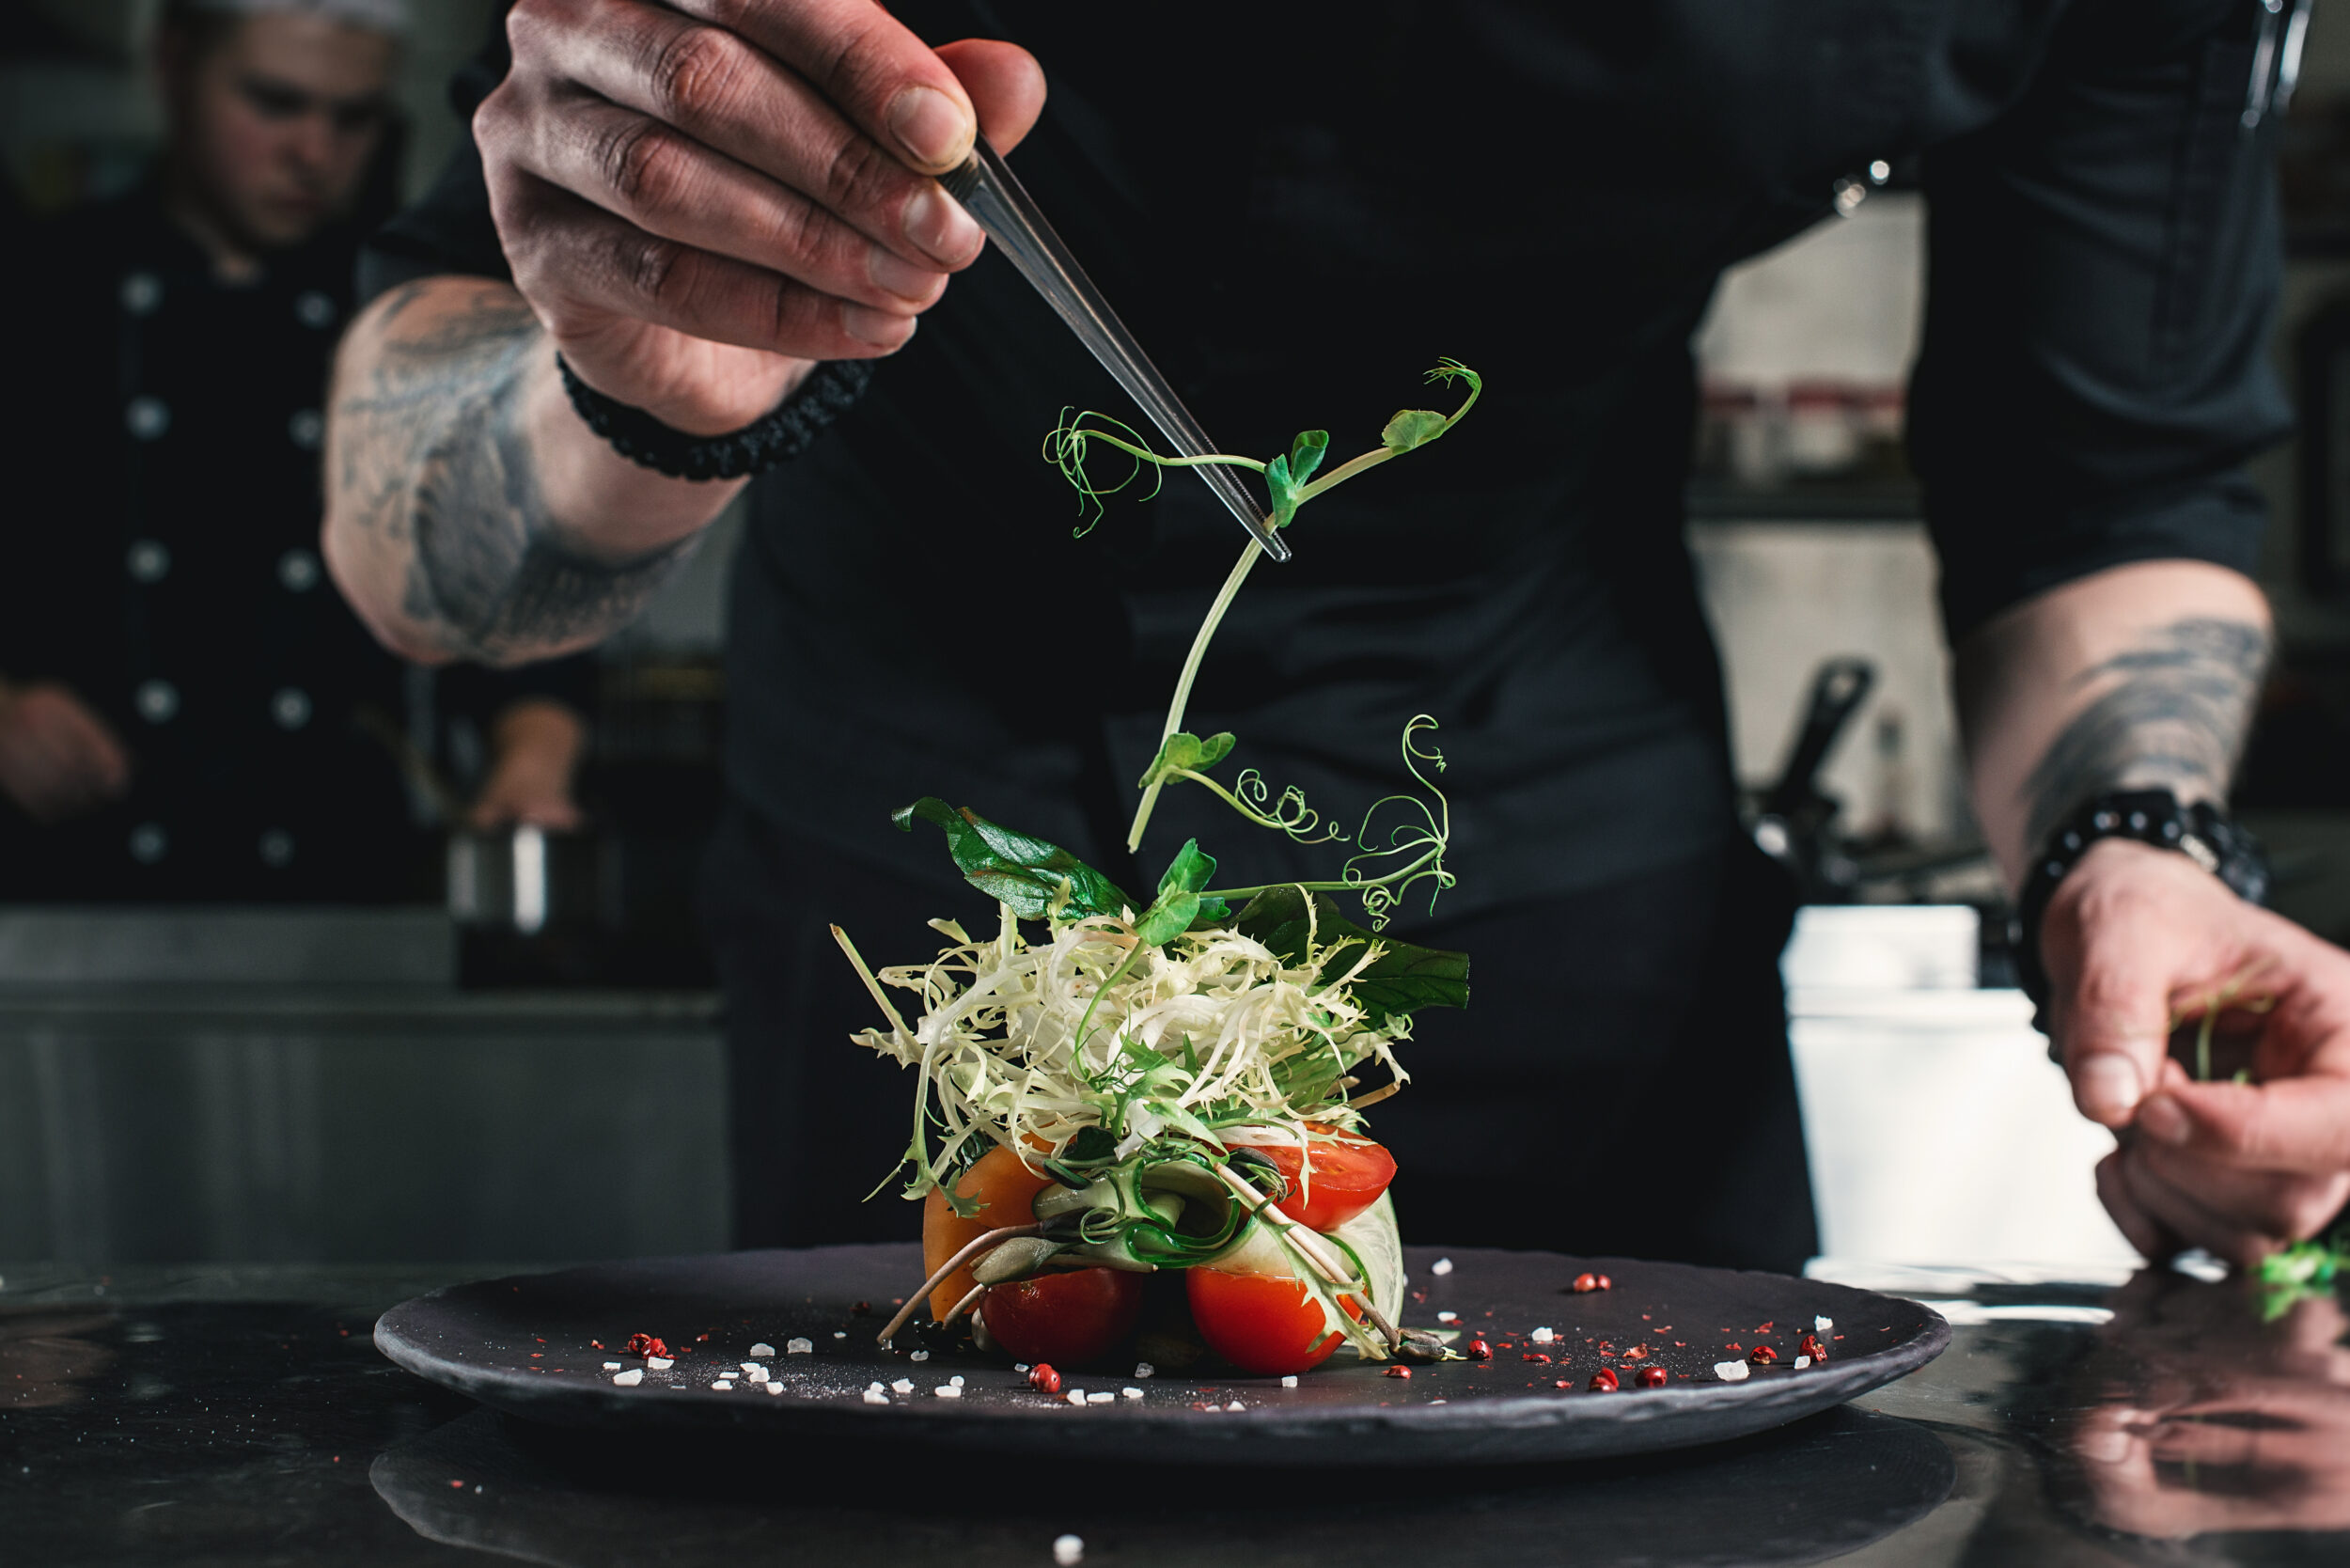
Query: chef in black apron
x: 716, y: 216
x: 188, y: 711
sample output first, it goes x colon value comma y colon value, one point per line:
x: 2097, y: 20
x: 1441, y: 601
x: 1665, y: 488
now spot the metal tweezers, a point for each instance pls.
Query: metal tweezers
x: 997, y: 202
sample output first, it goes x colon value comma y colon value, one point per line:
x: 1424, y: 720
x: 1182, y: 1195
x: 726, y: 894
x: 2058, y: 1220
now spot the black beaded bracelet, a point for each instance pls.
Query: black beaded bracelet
x: 2201, y: 832
x: 786, y: 432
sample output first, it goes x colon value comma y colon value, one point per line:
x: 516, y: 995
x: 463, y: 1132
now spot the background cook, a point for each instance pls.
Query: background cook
x: 187, y: 710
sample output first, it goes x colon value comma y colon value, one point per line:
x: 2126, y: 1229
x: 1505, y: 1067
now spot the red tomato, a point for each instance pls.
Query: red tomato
x: 1260, y: 1323
x: 1067, y: 1318
x: 1007, y: 1191
x: 1348, y: 1178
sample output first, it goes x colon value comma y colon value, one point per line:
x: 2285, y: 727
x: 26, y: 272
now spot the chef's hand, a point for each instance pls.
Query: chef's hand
x: 2136, y: 937
x: 57, y: 758
x: 701, y: 199
x: 534, y: 750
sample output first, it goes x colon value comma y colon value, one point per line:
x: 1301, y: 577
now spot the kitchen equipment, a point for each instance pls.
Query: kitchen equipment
x: 1792, y: 817
x: 529, y: 1346
x: 523, y: 879
x: 997, y: 202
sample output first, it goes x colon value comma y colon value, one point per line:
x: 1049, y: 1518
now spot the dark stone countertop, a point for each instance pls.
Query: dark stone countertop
x: 210, y: 1415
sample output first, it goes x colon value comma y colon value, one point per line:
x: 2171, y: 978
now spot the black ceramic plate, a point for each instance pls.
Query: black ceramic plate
x: 527, y: 1346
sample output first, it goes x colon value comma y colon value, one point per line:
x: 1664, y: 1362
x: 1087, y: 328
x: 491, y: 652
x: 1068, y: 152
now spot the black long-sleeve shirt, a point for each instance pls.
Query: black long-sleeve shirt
x: 1299, y: 206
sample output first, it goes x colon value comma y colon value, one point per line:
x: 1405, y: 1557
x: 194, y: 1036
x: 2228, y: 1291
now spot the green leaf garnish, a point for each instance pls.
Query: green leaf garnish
x: 1399, y: 978
x: 1032, y: 878
x: 1410, y: 427
x: 1181, y: 753
x: 1180, y: 905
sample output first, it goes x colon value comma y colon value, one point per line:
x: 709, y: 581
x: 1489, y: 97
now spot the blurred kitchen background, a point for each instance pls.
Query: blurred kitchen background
x: 531, y: 1069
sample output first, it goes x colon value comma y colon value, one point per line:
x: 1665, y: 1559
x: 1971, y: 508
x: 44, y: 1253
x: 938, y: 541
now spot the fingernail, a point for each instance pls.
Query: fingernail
x: 894, y: 273
x: 877, y: 328
x: 2165, y: 1121
x: 936, y: 224
x: 929, y: 125
x: 2110, y: 1086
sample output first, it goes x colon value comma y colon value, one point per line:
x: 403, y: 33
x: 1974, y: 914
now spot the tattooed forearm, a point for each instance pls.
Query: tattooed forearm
x: 432, y: 459
x: 2172, y: 714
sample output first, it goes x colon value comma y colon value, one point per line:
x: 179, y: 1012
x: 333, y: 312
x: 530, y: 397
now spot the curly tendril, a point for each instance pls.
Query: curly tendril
x: 1071, y: 442
x: 1414, y: 848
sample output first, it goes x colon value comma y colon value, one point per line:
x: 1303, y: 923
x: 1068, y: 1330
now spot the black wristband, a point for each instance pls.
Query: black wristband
x: 784, y: 433
x: 2201, y: 832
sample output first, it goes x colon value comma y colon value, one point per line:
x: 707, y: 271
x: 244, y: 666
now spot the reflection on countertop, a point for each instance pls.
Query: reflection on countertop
x: 207, y: 1414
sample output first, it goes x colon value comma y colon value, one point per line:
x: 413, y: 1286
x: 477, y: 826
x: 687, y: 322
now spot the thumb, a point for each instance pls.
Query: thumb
x: 2110, y: 998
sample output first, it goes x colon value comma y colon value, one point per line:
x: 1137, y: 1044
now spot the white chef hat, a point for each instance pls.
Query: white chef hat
x: 379, y: 16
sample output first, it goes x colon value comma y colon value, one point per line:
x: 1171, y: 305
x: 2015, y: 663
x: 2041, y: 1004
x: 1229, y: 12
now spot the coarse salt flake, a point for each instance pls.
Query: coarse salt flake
x: 1144, y: 1369
x: 754, y: 1370
x: 903, y: 1385
x: 956, y: 1380
x: 875, y: 1396
x: 1290, y: 1382
x: 1104, y: 1397
x: 947, y: 1390
x: 1075, y: 1396
x: 722, y: 1387
x: 1542, y: 1336
x: 1802, y: 1361
x: 920, y: 1355
x: 660, y: 1363
x: 1236, y: 1405
x: 1442, y: 1265
x: 630, y: 1378
x: 1068, y: 1550
x: 611, y: 1366
x: 799, y: 1347
x: 1130, y: 1393
x: 1021, y: 1366
x: 775, y: 1387
x: 1731, y: 1372
x: 1447, y: 1317
x: 1821, y: 1325
x: 762, y: 1349
x: 840, y: 1333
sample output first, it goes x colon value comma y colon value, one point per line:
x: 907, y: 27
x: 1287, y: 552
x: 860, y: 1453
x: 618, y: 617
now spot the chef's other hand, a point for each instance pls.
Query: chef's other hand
x: 2137, y: 938
x: 699, y: 209
x: 57, y: 758
x: 534, y: 750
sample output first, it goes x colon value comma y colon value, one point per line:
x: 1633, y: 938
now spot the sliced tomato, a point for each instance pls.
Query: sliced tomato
x: 1262, y: 1323
x: 1068, y: 1318
x: 1348, y: 1177
x: 1007, y: 1189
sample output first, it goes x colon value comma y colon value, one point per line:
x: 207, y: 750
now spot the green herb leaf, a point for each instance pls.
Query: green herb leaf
x: 1305, y: 454
x: 1401, y: 981
x: 1023, y: 872
x: 1410, y: 427
x: 1178, y: 905
x: 1186, y: 751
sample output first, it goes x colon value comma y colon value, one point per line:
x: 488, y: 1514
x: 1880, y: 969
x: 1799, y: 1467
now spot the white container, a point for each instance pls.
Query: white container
x: 1884, y: 948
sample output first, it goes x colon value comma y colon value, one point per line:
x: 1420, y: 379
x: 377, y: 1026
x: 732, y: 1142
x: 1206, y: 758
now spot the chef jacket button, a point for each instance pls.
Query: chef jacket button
x: 1849, y: 194
x: 156, y: 700
x: 290, y: 708
x: 147, y: 417
x: 148, y: 843
x: 298, y: 570
x: 148, y: 559
x: 307, y: 428
x: 141, y: 293
x: 1879, y: 171
x: 314, y: 310
x: 277, y: 847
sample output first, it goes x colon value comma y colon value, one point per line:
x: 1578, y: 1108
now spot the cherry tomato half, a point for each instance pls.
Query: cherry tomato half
x: 1006, y: 1188
x: 1348, y: 1178
x: 1068, y: 1318
x: 1260, y: 1323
